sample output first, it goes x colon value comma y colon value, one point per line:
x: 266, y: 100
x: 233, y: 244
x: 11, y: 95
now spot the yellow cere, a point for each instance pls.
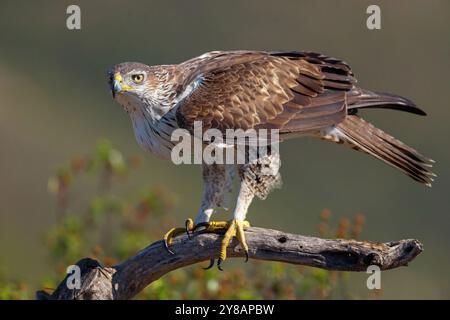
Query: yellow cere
x: 124, y: 87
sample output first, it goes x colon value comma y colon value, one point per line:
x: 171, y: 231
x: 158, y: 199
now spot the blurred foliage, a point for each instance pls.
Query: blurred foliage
x: 112, y: 228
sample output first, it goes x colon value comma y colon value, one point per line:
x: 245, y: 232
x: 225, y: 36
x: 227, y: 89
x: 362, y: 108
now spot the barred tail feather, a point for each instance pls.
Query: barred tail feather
x: 363, y: 136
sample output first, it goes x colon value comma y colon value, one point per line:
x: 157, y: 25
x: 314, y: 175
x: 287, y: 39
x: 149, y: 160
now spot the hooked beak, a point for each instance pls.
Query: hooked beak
x: 117, y: 85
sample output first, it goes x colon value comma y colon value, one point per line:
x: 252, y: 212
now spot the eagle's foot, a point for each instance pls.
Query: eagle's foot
x: 172, y: 233
x: 234, y: 228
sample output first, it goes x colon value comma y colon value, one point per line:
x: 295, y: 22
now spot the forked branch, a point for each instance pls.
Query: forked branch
x: 127, y: 279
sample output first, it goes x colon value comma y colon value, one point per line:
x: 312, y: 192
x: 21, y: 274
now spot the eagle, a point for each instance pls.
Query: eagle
x: 296, y: 93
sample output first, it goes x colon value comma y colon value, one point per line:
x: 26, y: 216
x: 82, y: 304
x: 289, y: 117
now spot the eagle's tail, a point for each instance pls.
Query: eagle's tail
x: 363, y: 136
x: 359, y: 98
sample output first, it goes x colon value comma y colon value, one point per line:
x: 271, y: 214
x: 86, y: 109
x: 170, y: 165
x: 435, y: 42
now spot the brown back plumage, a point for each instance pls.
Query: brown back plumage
x: 295, y: 92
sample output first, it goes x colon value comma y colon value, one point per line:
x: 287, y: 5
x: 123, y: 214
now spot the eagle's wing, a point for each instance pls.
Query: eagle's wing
x: 289, y: 91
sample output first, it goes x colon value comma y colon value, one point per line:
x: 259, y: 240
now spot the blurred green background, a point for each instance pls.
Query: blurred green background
x: 55, y: 103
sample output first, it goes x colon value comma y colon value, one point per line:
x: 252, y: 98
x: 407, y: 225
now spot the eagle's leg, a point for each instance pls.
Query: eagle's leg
x: 232, y: 228
x: 258, y: 178
x: 217, y: 180
x: 236, y: 227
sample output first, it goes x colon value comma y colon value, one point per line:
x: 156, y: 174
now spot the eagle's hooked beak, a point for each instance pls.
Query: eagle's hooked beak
x: 117, y: 85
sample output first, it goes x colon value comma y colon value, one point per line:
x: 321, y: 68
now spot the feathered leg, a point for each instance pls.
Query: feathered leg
x: 217, y: 181
x: 258, y: 178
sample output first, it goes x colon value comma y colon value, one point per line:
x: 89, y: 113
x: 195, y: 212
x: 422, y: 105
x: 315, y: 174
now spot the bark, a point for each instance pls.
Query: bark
x: 128, y: 278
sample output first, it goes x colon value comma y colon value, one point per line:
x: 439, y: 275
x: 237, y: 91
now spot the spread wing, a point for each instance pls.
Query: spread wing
x: 289, y: 91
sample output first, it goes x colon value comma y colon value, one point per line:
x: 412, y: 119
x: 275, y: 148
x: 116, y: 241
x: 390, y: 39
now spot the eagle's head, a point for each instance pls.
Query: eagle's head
x: 129, y: 78
x: 146, y: 93
x: 140, y: 88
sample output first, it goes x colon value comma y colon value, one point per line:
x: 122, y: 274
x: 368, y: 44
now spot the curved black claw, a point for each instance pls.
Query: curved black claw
x: 186, y: 225
x: 246, y: 256
x: 211, y: 264
x: 219, y: 264
x: 166, y: 246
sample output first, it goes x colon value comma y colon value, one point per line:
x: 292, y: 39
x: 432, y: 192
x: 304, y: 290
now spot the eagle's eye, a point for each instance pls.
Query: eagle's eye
x: 137, y: 78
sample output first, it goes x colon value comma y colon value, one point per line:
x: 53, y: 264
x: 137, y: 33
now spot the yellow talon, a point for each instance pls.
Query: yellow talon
x: 189, y: 224
x: 242, y: 225
x: 216, y: 226
x: 235, y: 229
x: 172, y: 233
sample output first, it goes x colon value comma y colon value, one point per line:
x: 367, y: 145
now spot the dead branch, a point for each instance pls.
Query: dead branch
x: 127, y: 279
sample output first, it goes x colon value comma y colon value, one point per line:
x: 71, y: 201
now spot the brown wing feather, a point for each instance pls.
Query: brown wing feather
x: 290, y: 91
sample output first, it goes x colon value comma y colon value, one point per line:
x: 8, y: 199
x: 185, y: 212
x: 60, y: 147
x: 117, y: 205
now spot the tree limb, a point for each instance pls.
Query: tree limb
x: 127, y: 279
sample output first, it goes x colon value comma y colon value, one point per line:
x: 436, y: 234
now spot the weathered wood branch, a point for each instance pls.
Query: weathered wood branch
x: 127, y: 279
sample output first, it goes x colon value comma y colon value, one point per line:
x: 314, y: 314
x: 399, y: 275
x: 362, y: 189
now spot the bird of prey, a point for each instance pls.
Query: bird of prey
x: 298, y: 93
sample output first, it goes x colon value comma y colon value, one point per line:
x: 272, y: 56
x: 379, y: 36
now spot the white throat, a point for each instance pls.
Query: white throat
x: 153, y: 125
x: 154, y: 120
